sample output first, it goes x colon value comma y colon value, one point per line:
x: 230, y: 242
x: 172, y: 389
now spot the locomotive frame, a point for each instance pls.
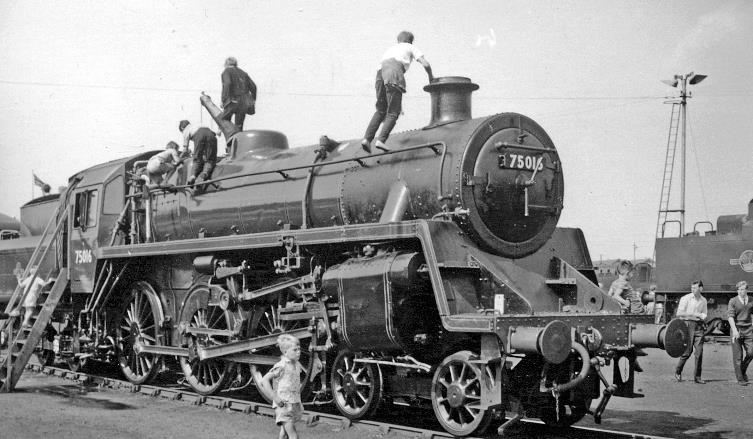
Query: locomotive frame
x: 400, y: 288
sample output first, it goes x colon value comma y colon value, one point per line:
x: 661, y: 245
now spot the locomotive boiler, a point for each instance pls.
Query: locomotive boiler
x: 425, y: 275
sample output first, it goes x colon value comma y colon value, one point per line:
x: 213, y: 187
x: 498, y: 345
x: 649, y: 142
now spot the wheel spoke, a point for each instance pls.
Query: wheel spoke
x: 470, y: 382
x: 443, y: 382
x: 470, y: 412
x: 363, y: 398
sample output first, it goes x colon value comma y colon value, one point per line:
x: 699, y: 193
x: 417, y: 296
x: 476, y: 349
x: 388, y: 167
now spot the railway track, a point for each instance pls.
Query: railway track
x: 176, y: 392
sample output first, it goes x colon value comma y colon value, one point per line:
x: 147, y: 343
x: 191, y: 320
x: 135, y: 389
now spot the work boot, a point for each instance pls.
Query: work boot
x: 365, y: 145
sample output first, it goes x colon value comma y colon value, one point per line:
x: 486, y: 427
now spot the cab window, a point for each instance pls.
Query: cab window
x: 85, y: 214
x: 113, y: 201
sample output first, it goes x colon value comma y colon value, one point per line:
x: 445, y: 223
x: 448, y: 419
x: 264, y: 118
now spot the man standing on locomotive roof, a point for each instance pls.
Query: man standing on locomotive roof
x: 739, y: 314
x: 238, y: 93
x: 693, y: 309
x: 204, y: 149
x: 390, y: 86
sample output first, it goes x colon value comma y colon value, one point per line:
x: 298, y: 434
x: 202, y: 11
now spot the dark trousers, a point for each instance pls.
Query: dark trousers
x: 237, y: 109
x: 389, y: 103
x: 204, y: 153
x: 696, y: 329
x: 744, y: 342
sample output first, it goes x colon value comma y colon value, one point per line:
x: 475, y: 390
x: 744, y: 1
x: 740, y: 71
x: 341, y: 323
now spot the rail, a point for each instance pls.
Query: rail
x: 533, y: 427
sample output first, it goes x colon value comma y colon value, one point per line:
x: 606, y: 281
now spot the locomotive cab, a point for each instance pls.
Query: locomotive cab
x: 96, y: 202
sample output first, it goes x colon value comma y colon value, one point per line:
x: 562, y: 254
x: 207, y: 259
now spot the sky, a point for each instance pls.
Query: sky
x: 89, y: 81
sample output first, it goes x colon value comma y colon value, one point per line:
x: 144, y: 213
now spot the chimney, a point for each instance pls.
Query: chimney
x: 450, y: 99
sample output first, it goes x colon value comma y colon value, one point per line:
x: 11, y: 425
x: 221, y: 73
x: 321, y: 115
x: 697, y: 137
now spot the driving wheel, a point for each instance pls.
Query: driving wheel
x: 139, y: 323
x: 209, y: 376
x: 268, y: 319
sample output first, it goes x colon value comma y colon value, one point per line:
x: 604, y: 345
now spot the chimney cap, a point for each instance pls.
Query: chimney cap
x: 451, y: 81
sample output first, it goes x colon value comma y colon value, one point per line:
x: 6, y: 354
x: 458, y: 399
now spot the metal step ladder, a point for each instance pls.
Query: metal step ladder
x: 669, y: 166
x: 50, y: 267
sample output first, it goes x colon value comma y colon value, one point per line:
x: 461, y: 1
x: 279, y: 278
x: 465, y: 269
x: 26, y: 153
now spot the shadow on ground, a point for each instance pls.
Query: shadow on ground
x: 75, y: 396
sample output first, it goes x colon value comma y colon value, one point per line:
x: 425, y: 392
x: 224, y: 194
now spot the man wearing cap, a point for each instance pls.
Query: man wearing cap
x: 739, y: 312
x: 238, y: 93
x: 693, y: 309
x: 204, y: 149
x: 390, y: 86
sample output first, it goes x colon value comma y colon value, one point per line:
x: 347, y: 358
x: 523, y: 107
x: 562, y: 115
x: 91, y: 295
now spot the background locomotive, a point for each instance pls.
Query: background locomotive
x: 720, y: 257
x: 431, y: 274
x: 19, y: 238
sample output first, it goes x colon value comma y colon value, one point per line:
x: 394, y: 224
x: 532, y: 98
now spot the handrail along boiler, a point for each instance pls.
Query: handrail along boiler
x: 425, y: 275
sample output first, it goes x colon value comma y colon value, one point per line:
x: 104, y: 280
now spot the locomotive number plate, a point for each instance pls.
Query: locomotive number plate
x: 513, y: 160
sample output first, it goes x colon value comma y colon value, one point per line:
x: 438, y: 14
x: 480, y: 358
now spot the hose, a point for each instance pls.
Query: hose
x: 584, y: 370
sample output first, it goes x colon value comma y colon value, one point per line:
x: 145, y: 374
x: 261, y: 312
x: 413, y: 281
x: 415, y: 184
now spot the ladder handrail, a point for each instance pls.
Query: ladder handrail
x: 19, y: 348
x: 59, y: 218
x: 25, y: 290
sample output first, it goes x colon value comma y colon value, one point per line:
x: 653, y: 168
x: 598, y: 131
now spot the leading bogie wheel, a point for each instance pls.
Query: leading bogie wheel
x: 139, y: 322
x: 456, y: 393
x: 356, y: 387
x: 206, y: 377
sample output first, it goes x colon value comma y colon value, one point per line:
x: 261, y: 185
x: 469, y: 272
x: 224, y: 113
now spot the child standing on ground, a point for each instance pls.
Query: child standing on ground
x: 283, y: 385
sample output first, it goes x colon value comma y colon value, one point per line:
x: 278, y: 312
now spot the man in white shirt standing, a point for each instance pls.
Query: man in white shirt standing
x: 693, y: 310
x: 390, y: 86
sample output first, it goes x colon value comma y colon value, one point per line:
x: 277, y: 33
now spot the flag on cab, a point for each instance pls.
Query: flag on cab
x: 38, y: 182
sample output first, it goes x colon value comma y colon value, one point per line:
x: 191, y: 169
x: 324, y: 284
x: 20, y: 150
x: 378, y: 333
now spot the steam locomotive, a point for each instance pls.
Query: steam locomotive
x: 431, y: 274
x: 719, y: 257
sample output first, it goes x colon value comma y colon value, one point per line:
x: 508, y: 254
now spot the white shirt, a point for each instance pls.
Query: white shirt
x: 33, y: 294
x: 690, y: 305
x: 402, y: 52
x: 188, y: 133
